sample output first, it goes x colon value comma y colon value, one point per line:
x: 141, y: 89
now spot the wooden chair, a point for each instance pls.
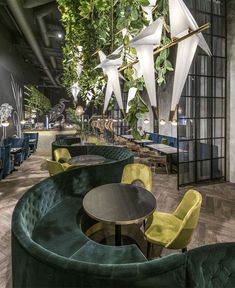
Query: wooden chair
x: 158, y: 160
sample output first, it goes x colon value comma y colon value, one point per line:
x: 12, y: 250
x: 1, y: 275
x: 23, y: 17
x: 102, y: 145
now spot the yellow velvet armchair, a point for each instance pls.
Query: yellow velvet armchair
x: 174, y: 231
x: 135, y: 172
x: 92, y: 140
x: 62, y: 155
x: 54, y: 167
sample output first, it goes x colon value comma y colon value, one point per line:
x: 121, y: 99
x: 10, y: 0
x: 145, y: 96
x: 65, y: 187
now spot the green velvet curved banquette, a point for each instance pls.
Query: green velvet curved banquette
x: 50, y: 249
x: 110, y: 152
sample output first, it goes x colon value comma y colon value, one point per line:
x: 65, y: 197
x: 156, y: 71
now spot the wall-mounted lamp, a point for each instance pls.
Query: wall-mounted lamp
x: 22, y: 122
x: 162, y: 122
x: 146, y: 121
x: 79, y: 111
x: 5, y: 123
x: 174, y: 122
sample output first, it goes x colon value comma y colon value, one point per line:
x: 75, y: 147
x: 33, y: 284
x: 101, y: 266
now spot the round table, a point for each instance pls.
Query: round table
x: 87, y: 159
x: 119, y: 204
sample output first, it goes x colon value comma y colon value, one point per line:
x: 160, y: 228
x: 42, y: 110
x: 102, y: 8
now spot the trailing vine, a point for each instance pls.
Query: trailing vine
x: 98, y: 24
x: 137, y: 109
x: 36, y: 100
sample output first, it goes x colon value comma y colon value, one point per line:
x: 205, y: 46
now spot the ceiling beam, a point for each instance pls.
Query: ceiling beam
x: 47, y: 50
x: 35, y: 3
x: 21, y: 19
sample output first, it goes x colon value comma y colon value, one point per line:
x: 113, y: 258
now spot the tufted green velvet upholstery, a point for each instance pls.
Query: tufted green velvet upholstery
x: 49, y: 248
x: 211, y: 266
x: 109, y: 152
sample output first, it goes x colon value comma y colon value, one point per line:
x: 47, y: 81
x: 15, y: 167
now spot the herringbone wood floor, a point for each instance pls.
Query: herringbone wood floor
x: 217, y: 218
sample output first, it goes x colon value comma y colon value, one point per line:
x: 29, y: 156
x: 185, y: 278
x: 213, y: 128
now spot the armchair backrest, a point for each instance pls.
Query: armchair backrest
x: 54, y: 167
x: 135, y: 172
x: 92, y: 139
x: 62, y: 155
x: 188, y: 212
x: 14, y: 142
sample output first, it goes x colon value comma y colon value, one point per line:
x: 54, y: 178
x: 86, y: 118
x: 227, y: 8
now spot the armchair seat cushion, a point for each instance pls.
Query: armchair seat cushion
x: 58, y: 231
x: 102, y: 254
x: 161, y: 228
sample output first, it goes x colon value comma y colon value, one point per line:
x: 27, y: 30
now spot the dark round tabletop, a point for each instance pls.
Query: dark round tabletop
x: 119, y: 204
x: 87, y: 159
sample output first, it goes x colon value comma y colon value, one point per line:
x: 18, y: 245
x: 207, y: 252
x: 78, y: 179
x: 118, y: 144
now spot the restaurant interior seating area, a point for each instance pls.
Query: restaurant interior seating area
x: 117, y: 151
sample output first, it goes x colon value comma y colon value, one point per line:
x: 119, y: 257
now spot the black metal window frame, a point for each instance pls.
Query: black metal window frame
x: 212, y: 99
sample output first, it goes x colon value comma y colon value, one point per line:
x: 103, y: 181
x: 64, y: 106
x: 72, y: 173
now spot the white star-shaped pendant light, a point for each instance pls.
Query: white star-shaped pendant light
x: 144, y: 43
x: 110, y: 66
x: 75, y: 89
x: 148, y: 10
x: 181, y: 21
x: 132, y: 91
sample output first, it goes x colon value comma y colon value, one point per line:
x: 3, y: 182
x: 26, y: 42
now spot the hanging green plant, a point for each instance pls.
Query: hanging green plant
x: 93, y: 25
x: 81, y: 126
x: 36, y: 100
x: 98, y: 24
x: 137, y: 109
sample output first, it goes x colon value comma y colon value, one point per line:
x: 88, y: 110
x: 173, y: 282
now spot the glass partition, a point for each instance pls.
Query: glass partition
x: 202, y: 108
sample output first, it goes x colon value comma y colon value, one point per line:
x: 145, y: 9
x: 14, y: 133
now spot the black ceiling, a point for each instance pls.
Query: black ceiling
x: 34, y: 26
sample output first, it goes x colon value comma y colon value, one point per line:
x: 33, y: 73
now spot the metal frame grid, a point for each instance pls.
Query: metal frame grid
x: 202, y: 108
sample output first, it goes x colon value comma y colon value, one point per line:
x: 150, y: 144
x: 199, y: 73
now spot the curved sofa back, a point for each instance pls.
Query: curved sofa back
x: 109, y: 152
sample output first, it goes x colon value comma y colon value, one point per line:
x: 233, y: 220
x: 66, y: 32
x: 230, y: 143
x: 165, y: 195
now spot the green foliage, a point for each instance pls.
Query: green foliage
x: 97, y: 24
x: 137, y: 109
x: 36, y: 100
x: 81, y: 126
x: 162, y: 63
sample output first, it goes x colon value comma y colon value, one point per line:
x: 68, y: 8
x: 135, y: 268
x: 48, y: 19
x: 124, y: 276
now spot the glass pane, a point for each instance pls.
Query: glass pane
x: 218, y: 87
x: 218, y: 47
x: 187, y: 173
x: 219, y: 108
x: 219, y: 127
x: 219, y: 67
x: 189, y: 87
x: 204, y: 128
x: 204, y: 105
x: 218, y: 148
x: 218, y: 7
x: 204, y: 86
x: 189, y: 151
x: 203, y: 65
x: 186, y: 128
x: 186, y: 107
x: 203, y: 150
x: 218, y: 168
x: 203, y: 5
x: 204, y: 170
x: 218, y: 26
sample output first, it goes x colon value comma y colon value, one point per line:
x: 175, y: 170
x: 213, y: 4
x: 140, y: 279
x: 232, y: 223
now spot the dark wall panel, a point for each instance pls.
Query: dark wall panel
x: 11, y: 62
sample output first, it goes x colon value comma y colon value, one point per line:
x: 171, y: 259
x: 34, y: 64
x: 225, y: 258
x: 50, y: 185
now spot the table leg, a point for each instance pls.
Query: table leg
x: 170, y: 163
x: 118, y: 235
